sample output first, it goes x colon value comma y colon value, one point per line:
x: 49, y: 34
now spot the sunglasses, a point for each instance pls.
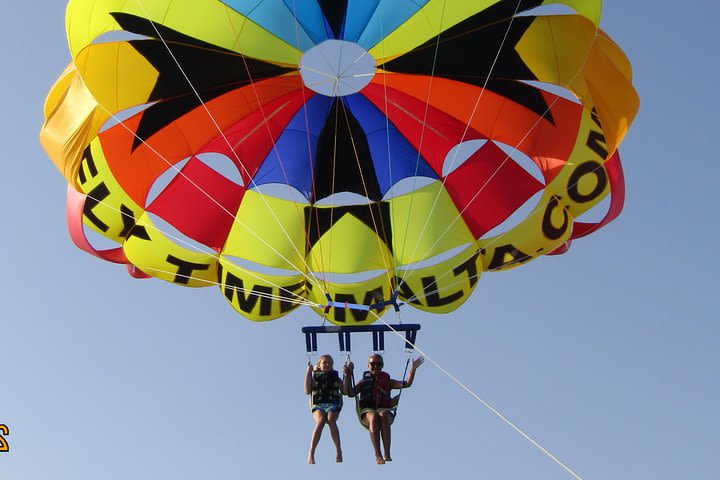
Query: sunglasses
x: 376, y: 364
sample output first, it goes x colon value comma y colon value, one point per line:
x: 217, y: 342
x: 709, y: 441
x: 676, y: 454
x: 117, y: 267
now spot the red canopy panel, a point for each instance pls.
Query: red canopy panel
x: 489, y: 187
x: 201, y: 203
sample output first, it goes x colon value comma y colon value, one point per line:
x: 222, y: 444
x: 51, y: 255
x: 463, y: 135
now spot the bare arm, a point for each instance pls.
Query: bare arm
x: 308, y: 379
x: 398, y: 384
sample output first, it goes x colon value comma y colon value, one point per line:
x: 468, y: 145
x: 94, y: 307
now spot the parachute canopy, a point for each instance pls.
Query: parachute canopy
x: 331, y: 152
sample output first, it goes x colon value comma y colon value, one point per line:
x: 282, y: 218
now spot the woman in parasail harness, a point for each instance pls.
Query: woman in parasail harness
x: 376, y: 405
x: 326, y: 390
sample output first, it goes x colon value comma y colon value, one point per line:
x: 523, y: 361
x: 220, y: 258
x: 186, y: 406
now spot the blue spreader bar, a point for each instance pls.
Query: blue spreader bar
x: 343, y: 332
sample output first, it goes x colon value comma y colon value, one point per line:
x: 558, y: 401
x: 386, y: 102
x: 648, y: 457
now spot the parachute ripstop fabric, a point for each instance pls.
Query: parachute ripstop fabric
x: 292, y: 151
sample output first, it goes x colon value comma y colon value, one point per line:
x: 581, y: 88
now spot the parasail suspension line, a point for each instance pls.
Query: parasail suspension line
x: 222, y: 134
x: 486, y: 404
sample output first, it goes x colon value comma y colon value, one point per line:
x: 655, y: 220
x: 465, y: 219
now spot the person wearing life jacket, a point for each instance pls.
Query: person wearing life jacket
x: 326, y: 390
x: 376, y: 403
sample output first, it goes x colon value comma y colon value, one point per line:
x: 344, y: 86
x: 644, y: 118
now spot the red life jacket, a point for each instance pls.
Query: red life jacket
x: 375, y: 391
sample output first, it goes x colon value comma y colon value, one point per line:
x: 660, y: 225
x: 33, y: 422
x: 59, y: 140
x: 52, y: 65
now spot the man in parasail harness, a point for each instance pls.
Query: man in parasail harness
x: 376, y: 407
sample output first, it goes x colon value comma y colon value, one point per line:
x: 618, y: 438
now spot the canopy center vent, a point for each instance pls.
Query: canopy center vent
x: 336, y: 68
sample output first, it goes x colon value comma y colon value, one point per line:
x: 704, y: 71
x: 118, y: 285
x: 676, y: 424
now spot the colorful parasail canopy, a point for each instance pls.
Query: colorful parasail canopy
x: 337, y: 153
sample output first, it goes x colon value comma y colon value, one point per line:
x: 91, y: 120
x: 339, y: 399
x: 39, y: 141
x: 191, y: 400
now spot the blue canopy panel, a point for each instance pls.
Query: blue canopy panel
x: 289, y: 162
x: 309, y: 15
x: 367, y: 31
x: 276, y: 16
x: 394, y: 158
x: 358, y: 15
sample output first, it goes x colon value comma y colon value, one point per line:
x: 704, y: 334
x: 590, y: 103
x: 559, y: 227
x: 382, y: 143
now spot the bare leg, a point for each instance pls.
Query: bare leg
x: 374, y: 425
x: 335, y: 434
x: 320, y: 420
x: 385, y: 432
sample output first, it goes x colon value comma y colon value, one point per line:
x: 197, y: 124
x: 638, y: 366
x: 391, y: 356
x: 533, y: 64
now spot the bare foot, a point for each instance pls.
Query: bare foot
x: 388, y: 458
x: 338, y: 457
x: 380, y: 460
x: 311, y: 460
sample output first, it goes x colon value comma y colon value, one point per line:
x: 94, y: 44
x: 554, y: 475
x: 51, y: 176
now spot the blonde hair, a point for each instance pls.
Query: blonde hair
x: 320, y: 358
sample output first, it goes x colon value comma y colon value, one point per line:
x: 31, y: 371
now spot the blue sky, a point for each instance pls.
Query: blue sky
x: 607, y: 355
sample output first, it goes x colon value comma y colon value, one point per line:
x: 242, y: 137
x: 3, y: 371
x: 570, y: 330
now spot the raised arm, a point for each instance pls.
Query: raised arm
x: 397, y: 384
